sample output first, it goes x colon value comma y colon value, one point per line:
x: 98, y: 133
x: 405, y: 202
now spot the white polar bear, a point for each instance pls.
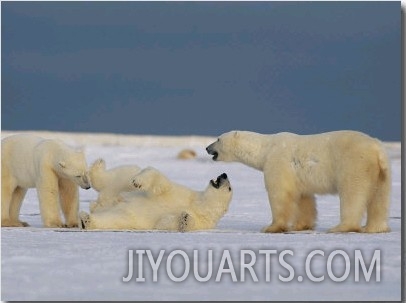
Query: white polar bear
x: 164, y: 205
x: 296, y: 167
x: 110, y: 183
x: 50, y: 166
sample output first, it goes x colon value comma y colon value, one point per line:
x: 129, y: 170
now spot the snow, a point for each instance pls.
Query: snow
x: 71, y: 264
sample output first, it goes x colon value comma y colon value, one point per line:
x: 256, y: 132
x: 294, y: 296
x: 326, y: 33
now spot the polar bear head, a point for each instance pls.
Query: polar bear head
x: 72, y: 165
x: 221, y: 183
x: 229, y: 146
x: 236, y: 146
x: 219, y: 193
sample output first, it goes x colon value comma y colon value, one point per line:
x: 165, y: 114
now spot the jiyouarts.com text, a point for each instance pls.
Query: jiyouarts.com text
x: 264, y: 265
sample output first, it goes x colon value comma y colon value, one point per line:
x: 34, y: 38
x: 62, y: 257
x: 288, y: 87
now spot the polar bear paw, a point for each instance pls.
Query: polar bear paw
x: 9, y: 223
x: 184, y: 221
x: 84, y: 219
x: 345, y: 228
x: 275, y: 228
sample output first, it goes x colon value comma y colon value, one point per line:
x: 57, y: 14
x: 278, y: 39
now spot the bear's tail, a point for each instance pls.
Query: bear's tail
x: 384, y: 166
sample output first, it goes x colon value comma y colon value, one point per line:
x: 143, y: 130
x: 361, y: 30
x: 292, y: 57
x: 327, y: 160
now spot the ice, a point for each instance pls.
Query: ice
x: 70, y: 264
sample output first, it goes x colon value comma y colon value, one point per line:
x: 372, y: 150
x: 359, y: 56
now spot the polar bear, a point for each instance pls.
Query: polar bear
x: 296, y: 167
x: 50, y: 166
x: 162, y: 204
x: 110, y: 183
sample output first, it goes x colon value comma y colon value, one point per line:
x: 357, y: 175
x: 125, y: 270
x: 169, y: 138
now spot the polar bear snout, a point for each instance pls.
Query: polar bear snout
x: 212, y: 151
x: 220, y: 181
x: 84, y: 182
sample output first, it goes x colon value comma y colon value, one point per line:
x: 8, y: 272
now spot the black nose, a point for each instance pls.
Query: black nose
x: 223, y: 176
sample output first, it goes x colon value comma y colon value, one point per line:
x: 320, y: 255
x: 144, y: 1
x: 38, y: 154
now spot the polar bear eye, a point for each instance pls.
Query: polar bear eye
x: 78, y: 176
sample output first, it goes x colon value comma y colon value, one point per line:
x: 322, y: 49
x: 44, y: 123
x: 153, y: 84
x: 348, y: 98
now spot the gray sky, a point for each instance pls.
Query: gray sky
x: 202, y: 68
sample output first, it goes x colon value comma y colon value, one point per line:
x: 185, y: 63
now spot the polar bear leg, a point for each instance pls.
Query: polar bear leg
x: 48, y: 195
x: 352, y: 207
x: 167, y: 222
x: 151, y: 181
x: 283, y: 207
x: 306, y: 213
x: 377, y: 210
x: 15, y: 206
x: 7, y: 189
x: 69, y: 200
x: 185, y: 222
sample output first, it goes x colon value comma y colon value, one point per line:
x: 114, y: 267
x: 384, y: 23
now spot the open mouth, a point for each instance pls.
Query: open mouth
x: 218, y: 182
x: 214, y: 183
x: 210, y: 150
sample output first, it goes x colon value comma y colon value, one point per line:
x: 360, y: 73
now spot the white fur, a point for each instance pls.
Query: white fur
x: 50, y: 166
x: 162, y: 204
x: 110, y: 183
x: 296, y: 167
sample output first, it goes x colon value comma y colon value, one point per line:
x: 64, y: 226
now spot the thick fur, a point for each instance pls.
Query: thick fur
x: 110, y: 183
x: 162, y: 204
x: 50, y: 166
x: 348, y: 163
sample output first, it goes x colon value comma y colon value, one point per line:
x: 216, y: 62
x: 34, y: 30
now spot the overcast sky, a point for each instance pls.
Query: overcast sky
x: 202, y: 68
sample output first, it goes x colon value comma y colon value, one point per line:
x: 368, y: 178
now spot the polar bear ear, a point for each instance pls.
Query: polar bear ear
x: 62, y: 164
x: 99, y: 163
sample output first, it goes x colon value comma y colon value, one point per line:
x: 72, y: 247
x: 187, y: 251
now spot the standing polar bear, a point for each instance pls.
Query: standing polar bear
x: 50, y: 166
x: 110, y: 183
x: 162, y: 204
x: 296, y: 167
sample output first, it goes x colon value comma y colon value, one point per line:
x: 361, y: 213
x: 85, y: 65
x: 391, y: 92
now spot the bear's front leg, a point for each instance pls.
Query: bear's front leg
x: 283, y: 207
x: 48, y: 195
x: 69, y: 200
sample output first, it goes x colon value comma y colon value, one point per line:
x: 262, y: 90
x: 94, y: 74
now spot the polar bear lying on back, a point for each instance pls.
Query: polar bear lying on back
x: 110, y: 183
x: 296, y: 167
x: 162, y: 204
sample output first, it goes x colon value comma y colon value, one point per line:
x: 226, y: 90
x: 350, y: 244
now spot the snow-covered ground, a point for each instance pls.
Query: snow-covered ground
x: 70, y: 264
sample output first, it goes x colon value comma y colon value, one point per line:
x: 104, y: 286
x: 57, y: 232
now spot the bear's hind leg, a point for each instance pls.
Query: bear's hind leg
x: 69, y: 199
x: 15, y: 206
x: 378, y: 209
x: 352, y: 208
x: 306, y: 214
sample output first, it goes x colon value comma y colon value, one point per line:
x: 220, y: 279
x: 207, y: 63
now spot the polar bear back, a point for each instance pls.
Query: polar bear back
x: 322, y: 162
x: 17, y: 158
